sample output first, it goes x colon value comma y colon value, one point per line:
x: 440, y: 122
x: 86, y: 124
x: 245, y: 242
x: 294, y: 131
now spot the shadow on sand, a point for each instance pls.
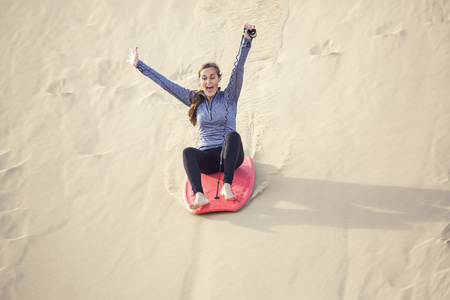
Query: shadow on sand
x: 280, y: 200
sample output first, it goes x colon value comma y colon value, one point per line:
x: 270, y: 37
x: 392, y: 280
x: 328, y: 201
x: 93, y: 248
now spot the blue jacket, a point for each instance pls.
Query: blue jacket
x: 217, y: 118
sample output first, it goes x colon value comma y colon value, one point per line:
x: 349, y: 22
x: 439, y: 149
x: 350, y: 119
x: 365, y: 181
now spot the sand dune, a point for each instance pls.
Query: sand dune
x: 345, y: 110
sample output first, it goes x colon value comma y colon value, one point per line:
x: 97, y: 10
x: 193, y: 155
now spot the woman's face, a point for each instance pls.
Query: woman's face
x: 209, y: 81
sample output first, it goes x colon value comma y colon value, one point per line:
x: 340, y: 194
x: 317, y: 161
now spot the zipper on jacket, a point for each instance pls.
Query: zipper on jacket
x: 210, y: 106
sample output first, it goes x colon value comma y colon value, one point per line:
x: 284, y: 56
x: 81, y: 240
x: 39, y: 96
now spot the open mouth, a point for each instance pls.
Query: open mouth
x: 209, y: 89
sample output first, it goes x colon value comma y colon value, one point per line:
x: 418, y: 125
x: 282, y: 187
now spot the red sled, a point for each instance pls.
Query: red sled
x: 242, y: 188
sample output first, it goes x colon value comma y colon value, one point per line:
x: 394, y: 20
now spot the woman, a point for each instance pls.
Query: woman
x: 220, y: 146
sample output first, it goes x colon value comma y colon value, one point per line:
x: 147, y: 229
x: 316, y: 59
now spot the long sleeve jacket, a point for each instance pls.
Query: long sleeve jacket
x: 217, y: 117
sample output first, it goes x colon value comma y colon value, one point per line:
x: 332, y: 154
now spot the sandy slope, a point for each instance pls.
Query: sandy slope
x: 345, y: 110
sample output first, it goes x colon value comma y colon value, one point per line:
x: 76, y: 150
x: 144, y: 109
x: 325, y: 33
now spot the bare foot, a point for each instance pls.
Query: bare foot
x: 200, y: 200
x: 227, y: 193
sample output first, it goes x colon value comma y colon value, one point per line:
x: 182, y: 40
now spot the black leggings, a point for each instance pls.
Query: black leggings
x: 208, y: 161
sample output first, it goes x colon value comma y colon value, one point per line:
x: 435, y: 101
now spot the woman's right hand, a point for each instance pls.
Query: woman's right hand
x: 248, y: 27
x: 133, y: 58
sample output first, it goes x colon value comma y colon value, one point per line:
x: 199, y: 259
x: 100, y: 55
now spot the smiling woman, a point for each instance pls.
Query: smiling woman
x: 218, y: 142
x: 209, y: 77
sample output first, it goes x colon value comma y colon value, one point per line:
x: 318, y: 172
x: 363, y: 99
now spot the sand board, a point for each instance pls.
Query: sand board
x: 242, y: 187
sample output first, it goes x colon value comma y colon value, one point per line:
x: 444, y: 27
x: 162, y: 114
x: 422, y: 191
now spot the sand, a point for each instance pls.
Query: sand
x: 345, y: 110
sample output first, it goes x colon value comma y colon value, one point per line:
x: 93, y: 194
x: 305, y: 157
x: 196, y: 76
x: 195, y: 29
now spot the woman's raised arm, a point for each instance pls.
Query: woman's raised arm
x: 233, y: 89
x: 182, y: 94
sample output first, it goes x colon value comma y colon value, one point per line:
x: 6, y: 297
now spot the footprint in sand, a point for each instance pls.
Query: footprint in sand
x: 390, y: 28
x: 207, y: 8
x: 387, y: 38
x: 110, y: 73
x: 61, y: 87
x: 438, y: 12
x: 323, y: 49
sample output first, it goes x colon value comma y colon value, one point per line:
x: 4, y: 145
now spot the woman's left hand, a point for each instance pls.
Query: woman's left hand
x: 246, y: 28
x: 134, y: 57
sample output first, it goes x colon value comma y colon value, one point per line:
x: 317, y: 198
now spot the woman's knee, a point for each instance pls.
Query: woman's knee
x: 233, y: 136
x: 189, y: 152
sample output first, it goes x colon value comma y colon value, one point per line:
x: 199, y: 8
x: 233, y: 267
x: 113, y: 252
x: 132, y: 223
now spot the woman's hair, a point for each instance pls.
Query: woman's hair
x: 197, y: 99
